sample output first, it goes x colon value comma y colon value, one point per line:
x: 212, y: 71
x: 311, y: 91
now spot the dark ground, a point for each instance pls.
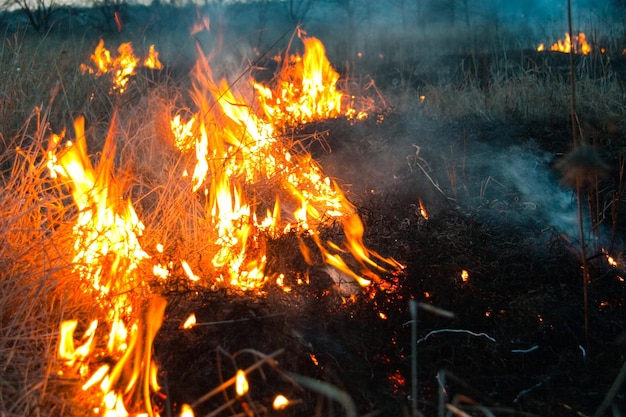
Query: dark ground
x: 517, y: 343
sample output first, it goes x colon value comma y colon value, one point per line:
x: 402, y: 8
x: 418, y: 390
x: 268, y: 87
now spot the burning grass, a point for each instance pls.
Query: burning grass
x: 473, y: 241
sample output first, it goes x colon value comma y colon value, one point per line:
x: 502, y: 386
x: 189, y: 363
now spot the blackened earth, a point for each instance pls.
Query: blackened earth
x: 518, y: 343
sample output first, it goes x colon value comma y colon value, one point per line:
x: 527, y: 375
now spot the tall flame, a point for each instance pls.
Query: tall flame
x: 240, y: 155
x: 305, y: 89
x: 237, y: 148
x: 107, y: 255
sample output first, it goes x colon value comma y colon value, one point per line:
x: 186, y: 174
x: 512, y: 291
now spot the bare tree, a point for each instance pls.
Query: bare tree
x: 38, y: 12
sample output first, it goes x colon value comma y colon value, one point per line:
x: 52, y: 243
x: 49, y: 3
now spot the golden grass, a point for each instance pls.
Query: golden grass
x: 33, y: 226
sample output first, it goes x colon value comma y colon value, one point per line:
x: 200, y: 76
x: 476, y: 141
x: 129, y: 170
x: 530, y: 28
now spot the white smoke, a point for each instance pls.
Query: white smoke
x: 529, y: 172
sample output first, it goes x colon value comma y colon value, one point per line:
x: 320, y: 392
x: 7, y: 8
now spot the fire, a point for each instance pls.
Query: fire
x: 67, y: 350
x: 423, y: 211
x: 190, y: 322
x: 106, y: 259
x: 237, y: 148
x: 241, y: 383
x: 280, y: 402
x: 152, y: 60
x: 237, y: 144
x: 305, y: 89
x: 107, y: 227
x: 186, y: 411
x: 579, y: 46
x: 123, y: 66
x: 464, y: 275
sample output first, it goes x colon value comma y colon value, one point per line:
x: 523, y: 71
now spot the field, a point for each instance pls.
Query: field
x: 479, y: 205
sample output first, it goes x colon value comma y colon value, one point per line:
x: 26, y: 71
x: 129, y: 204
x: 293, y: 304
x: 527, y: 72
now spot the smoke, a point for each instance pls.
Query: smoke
x: 528, y: 171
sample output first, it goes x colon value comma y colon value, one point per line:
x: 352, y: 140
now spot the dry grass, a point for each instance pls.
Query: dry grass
x: 42, y: 90
x: 34, y: 228
x: 519, y: 95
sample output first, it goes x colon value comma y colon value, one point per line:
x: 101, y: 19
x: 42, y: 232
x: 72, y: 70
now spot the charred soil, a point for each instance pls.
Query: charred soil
x: 517, y: 343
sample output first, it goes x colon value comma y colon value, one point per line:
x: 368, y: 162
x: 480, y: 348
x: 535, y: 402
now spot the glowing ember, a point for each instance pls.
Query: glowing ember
x: 186, y: 411
x: 241, y: 383
x: 579, y: 46
x: 280, y: 402
x: 423, y: 212
x: 190, y: 322
x: 397, y: 380
x: 611, y: 261
x: 464, y: 275
x: 314, y: 359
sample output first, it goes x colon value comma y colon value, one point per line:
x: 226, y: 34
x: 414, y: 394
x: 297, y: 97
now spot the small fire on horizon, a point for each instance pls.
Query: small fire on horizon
x: 578, y: 46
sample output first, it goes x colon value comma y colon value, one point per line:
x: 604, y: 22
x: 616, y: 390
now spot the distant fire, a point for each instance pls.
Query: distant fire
x: 578, y: 46
x: 306, y: 89
x: 121, y: 67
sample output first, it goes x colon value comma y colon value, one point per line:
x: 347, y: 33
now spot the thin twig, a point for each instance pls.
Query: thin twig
x: 608, y: 399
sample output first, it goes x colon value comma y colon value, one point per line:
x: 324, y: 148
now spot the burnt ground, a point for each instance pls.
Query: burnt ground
x: 517, y: 343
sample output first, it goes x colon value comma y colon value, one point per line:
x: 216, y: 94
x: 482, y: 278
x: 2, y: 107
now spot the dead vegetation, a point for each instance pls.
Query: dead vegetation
x: 516, y: 344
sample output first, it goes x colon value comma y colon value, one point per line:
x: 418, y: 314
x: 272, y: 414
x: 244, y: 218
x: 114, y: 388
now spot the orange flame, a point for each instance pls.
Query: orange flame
x: 186, y: 411
x: 305, y: 90
x: 423, y: 211
x: 123, y: 66
x: 579, y: 46
x: 280, y: 402
x: 107, y: 255
x: 152, y: 60
x: 241, y: 383
x: 236, y: 148
x: 190, y: 322
x: 245, y: 150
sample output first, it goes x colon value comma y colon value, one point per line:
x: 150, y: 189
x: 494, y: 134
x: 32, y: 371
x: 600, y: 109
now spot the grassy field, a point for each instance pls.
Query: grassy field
x: 468, y: 87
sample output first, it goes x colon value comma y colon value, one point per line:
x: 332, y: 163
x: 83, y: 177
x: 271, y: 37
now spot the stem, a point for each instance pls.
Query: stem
x: 413, y: 310
x: 583, y: 260
x: 573, y: 120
